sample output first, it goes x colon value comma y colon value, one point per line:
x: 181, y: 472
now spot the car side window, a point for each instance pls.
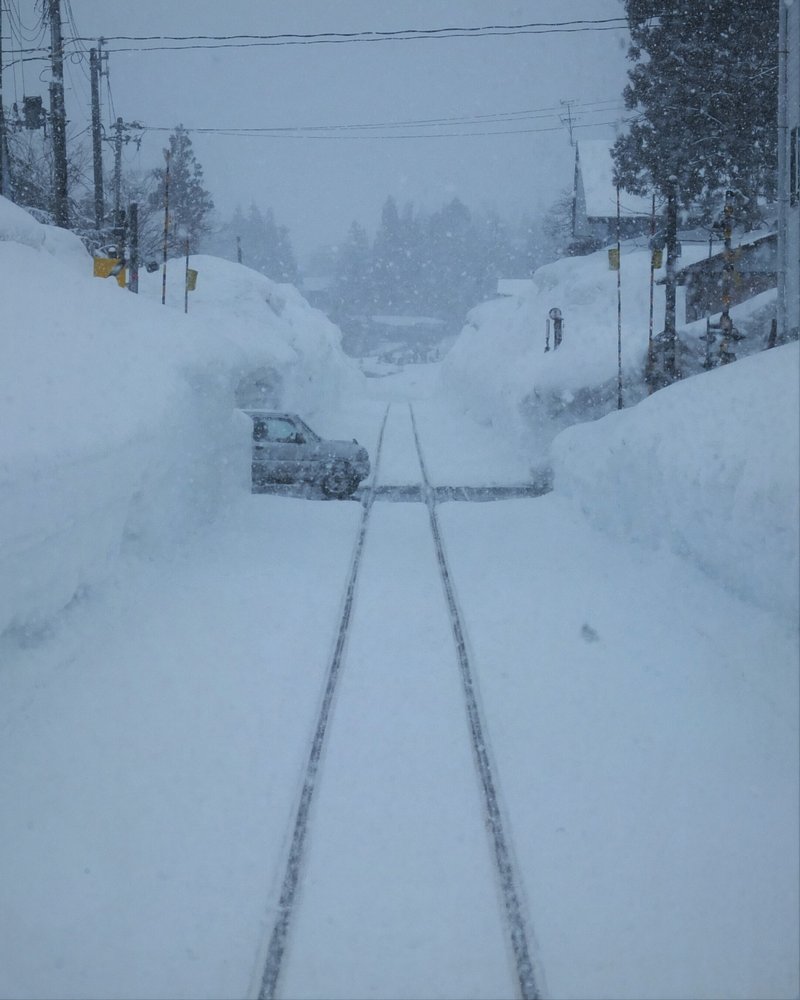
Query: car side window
x: 259, y: 430
x: 281, y: 430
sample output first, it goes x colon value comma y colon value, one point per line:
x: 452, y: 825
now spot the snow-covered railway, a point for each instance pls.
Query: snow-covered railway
x: 333, y: 934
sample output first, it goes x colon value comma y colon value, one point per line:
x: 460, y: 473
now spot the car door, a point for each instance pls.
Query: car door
x: 285, y: 449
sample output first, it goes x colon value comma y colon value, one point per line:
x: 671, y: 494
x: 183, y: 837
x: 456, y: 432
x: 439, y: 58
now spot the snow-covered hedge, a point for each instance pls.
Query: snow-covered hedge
x: 117, y: 415
x: 709, y: 468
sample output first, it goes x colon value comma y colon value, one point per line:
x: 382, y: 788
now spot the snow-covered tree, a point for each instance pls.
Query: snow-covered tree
x: 704, y: 84
x: 190, y: 204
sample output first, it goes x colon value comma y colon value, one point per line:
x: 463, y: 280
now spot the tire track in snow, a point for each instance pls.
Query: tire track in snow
x: 506, y: 872
x: 280, y: 930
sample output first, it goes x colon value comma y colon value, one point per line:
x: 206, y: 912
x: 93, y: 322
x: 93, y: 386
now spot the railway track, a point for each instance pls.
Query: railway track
x: 506, y: 873
x: 508, y: 881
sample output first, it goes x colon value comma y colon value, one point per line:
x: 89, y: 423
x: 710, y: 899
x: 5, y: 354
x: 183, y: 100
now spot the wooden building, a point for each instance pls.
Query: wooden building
x: 755, y: 270
x: 594, y: 200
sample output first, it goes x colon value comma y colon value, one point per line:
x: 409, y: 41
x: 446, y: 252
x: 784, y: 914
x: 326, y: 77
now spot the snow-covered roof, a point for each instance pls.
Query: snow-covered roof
x: 597, y: 173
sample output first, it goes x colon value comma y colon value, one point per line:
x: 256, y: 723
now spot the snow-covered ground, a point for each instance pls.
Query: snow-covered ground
x: 167, y: 635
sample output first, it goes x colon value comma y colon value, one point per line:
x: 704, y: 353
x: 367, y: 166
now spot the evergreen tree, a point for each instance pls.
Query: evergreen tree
x: 265, y: 246
x: 280, y: 263
x: 190, y: 204
x: 352, y: 290
x: 387, y: 253
x: 454, y: 287
x: 705, y: 86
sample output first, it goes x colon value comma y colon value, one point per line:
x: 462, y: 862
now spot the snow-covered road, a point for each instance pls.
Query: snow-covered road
x: 155, y: 741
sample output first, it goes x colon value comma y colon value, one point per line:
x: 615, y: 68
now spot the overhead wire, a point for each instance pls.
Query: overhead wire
x: 585, y: 24
x: 297, y: 134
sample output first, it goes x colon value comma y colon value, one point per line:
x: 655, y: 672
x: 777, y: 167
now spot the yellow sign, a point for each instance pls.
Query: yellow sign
x: 103, y: 266
x: 656, y: 260
x: 613, y: 259
x: 191, y: 279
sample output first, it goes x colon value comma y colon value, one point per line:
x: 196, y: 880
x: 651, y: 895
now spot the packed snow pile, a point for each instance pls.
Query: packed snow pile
x: 117, y: 416
x: 302, y: 366
x: 500, y: 372
x: 709, y: 468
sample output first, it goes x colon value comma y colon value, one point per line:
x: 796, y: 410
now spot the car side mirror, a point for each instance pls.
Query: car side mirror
x: 299, y: 439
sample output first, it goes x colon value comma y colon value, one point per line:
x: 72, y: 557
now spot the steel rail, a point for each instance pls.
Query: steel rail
x: 508, y: 878
x: 277, y: 942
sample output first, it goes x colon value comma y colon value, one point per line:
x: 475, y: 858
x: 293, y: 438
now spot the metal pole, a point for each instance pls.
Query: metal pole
x: 97, y: 145
x: 725, y: 322
x: 58, y: 117
x: 166, y: 231
x: 239, y: 249
x: 119, y: 127
x: 708, y: 364
x: 133, y: 217
x: 670, y: 372
x: 619, y: 310
x: 650, y: 358
x: 186, y: 281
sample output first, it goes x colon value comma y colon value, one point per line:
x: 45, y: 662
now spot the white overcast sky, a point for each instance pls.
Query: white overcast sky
x: 318, y: 186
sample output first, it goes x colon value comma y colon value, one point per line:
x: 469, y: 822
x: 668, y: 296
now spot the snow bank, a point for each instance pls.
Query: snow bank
x: 499, y: 372
x: 498, y: 369
x: 293, y: 351
x: 709, y: 468
x: 117, y: 416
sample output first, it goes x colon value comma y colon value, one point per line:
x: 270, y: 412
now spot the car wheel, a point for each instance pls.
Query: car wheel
x: 339, y: 481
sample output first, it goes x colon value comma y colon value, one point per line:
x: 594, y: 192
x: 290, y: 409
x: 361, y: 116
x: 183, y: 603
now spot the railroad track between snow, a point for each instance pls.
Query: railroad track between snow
x: 506, y: 873
x: 280, y: 931
x: 508, y: 879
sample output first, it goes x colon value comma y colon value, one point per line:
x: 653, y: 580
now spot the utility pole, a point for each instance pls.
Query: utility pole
x: 58, y: 116
x: 97, y: 145
x: 3, y: 142
x: 567, y: 120
x: 119, y: 128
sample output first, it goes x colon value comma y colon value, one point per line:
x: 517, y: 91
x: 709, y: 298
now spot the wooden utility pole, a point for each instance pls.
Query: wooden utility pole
x: 3, y: 142
x: 58, y: 116
x: 97, y: 144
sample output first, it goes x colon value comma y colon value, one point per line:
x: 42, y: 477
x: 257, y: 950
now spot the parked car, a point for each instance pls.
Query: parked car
x: 286, y: 450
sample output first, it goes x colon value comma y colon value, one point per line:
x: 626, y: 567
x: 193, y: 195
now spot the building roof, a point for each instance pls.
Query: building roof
x: 597, y: 173
x: 741, y: 246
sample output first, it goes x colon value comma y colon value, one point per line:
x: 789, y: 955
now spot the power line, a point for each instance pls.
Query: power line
x: 322, y: 38
x: 500, y: 117
x: 585, y: 24
x: 299, y: 134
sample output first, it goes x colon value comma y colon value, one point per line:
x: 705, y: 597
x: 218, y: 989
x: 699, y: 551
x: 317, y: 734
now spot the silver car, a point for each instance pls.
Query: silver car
x: 286, y: 450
